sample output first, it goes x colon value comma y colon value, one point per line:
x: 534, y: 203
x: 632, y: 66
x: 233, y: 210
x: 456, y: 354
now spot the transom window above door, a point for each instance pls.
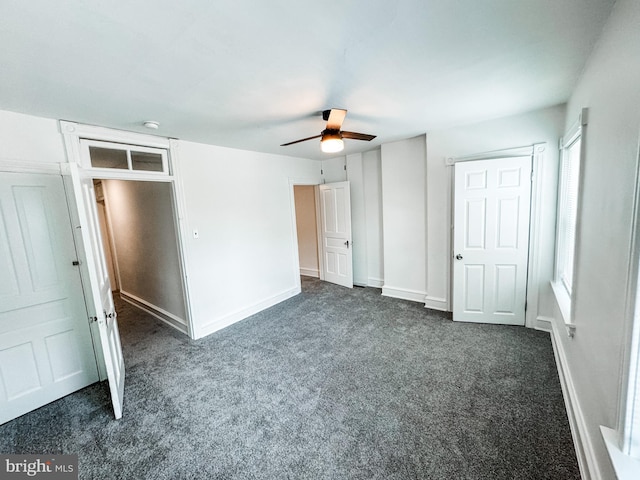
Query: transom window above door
x: 121, y: 157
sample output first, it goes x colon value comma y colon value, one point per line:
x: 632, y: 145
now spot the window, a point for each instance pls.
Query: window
x: 108, y: 155
x: 570, y: 171
x: 568, y: 192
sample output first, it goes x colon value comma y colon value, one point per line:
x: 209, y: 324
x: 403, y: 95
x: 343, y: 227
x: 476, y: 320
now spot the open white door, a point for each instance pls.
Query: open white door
x: 45, y: 340
x: 335, y: 210
x: 98, y: 293
x: 491, y: 240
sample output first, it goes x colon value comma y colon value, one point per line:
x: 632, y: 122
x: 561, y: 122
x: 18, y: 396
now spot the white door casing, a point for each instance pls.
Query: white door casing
x: 491, y: 240
x: 335, y: 214
x: 98, y: 293
x: 45, y: 341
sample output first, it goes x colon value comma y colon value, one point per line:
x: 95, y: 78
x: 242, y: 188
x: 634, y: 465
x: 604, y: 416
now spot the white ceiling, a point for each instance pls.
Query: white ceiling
x: 253, y: 74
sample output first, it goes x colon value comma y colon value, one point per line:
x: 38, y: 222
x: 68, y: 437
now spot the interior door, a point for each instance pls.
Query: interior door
x: 335, y: 211
x: 98, y: 288
x: 46, y: 350
x: 491, y: 240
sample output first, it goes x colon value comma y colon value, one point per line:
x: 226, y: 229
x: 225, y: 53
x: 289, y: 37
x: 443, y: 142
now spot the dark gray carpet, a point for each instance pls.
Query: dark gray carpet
x: 331, y: 384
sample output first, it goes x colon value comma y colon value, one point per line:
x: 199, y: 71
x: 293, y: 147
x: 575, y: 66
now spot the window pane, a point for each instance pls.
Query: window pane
x: 571, y: 175
x: 146, y: 161
x: 108, y: 158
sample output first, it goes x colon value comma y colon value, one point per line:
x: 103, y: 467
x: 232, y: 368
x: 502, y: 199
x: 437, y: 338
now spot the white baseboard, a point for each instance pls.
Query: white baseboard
x: 544, y: 324
x: 161, y: 314
x: 436, y: 303
x: 375, y: 282
x: 403, y: 294
x: 230, y: 319
x: 310, y: 272
x: 583, y: 444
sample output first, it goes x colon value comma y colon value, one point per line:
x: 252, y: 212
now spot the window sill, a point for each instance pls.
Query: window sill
x: 626, y: 467
x: 564, y: 304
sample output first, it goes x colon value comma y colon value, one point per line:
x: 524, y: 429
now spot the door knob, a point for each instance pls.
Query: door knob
x: 458, y: 257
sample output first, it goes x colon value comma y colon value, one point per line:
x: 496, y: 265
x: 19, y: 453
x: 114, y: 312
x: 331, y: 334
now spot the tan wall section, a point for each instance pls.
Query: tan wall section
x: 307, y: 229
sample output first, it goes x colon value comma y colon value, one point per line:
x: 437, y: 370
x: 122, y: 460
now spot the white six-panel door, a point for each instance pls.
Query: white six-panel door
x: 45, y: 342
x: 335, y: 212
x: 491, y: 240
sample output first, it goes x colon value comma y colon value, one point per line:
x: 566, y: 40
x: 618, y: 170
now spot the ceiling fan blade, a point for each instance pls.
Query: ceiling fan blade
x: 358, y: 136
x: 301, y: 140
x: 336, y: 117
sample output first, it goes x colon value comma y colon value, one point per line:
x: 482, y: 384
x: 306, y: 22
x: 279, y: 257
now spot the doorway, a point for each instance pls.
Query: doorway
x: 323, y: 212
x: 140, y: 241
x: 307, y: 229
x: 97, y: 152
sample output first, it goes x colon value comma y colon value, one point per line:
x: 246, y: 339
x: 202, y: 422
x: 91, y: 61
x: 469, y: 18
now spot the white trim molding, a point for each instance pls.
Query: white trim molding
x: 436, y: 303
x: 628, y: 425
x: 164, y: 316
x: 403, y: 294
x: 585, y: 451
x: 94, y: 132
x: 375, y: 282
x: 506, y: 153
x: 19, y: 166
x: 310, y: 272
x: 626, y: 467
x: 535, y: 241
x: 544, y: 324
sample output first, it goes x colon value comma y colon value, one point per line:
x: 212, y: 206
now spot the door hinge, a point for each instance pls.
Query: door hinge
x: 93, y: 319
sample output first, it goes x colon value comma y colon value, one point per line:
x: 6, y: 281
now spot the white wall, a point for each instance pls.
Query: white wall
x: 242, y: 205
x: 145, y: 239
x: 404, y: 213
x: 539, y: 126
x: 334, y: 170
x: 355, y: 174
x: 610, y: 89
x: 372, y: 178
x: 307, y: 229
x: 30, y: 139
x: 364, y: 175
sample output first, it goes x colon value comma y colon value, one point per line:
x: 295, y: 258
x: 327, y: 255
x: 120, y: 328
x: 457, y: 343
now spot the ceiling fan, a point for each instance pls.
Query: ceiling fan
x: 332, y: 137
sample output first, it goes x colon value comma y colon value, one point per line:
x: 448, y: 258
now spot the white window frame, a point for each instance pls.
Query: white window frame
x: 623, y: 442
x: 564, y: 292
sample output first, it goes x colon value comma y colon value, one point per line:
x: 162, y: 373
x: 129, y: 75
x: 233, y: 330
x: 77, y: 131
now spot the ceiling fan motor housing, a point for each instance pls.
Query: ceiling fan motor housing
x: 328, y: 133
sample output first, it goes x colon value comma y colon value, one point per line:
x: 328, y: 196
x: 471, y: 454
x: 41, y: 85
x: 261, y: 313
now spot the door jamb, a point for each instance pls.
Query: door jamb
x: 537, y: 154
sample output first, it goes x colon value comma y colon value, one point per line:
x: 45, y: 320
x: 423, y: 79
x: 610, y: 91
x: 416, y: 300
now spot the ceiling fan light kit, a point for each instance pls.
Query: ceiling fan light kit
x: 331, y: 141
x: 331, y: 138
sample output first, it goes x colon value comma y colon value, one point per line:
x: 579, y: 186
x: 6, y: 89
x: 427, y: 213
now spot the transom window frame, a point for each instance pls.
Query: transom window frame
x: 86, y: 143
